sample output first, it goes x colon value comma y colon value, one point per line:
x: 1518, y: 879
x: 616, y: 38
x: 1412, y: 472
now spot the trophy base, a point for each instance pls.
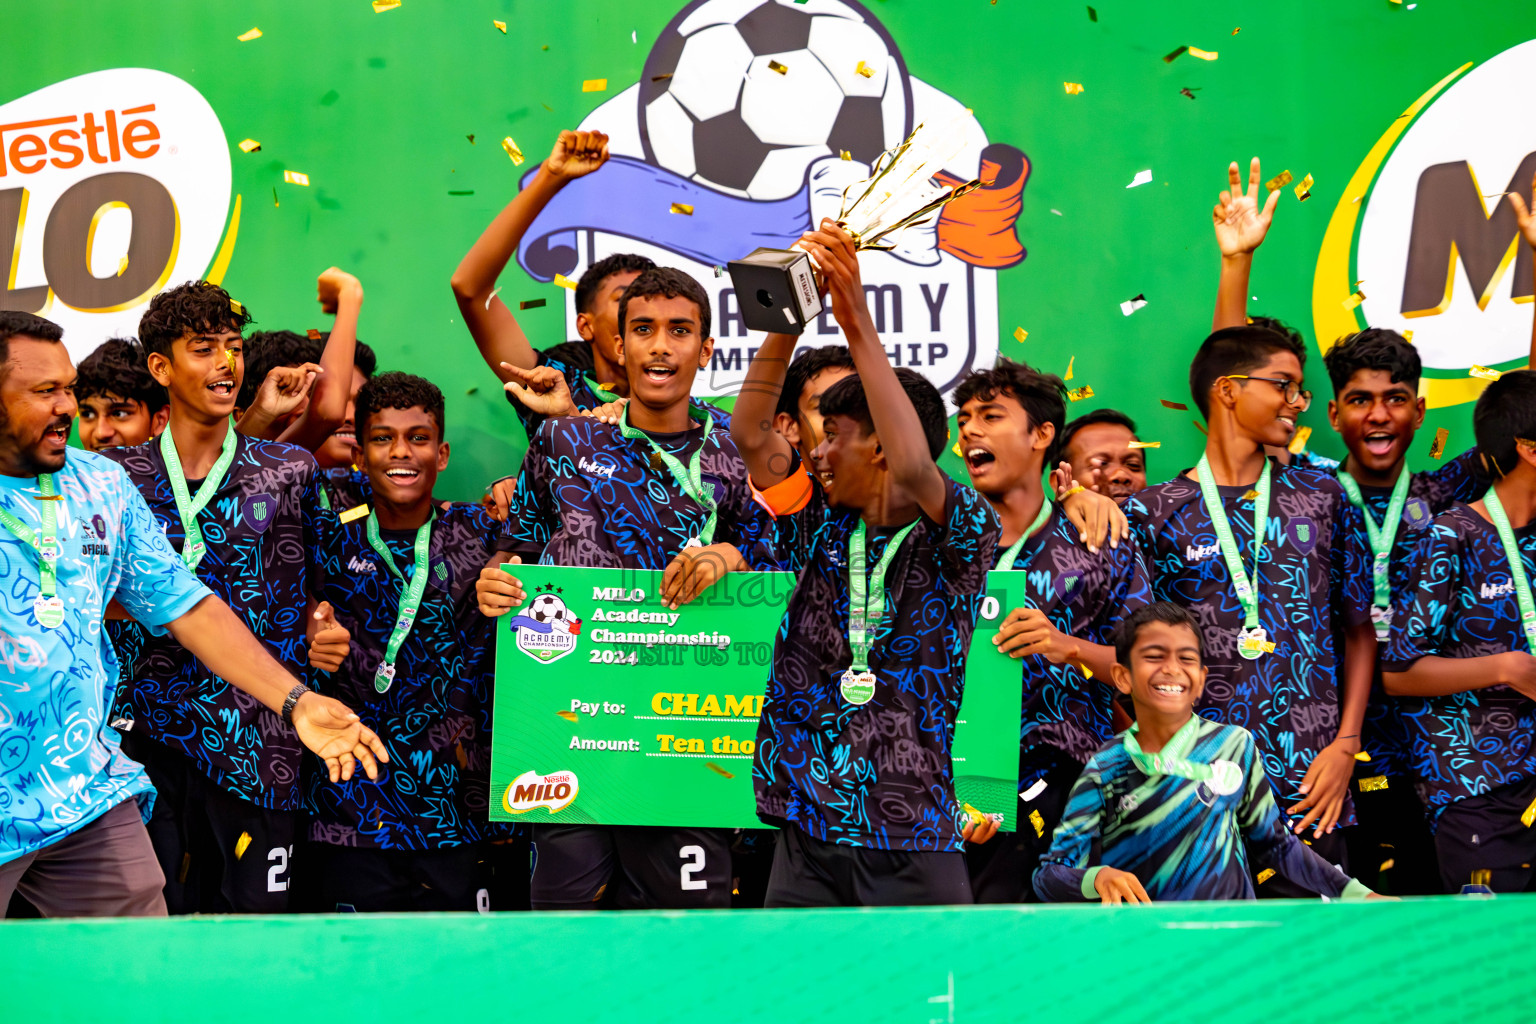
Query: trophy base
x: 776, y: 290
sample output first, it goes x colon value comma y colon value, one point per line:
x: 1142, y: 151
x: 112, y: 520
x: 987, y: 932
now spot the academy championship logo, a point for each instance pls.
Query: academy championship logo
x: 753, y: 117
x: 1437, y: 251
x: 112, y: 185
x: 546, y: 630
x: 530, y: 790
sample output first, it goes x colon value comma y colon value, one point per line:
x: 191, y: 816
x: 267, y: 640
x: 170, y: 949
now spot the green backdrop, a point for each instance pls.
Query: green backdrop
x: 376, y: 108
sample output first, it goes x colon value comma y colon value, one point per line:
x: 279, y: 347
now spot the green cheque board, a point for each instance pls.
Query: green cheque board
x: 612, y: 709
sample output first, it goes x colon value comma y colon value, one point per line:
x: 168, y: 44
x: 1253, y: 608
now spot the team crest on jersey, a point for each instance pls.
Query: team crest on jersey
x: 1067, y: 585
x: 441, y: 574
x: 547, y: 630
x: 1416, y: 513
x: 100, y: 526
x: 259, y: 511
x: 1302, y: 533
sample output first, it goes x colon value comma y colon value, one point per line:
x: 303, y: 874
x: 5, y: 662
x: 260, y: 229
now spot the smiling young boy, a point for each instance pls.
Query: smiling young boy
x: 1009, y: 418
x: 1271, y: 605
x: 853, y: 746
x: 241, y: 513
x: 121, y: 404
x: 416, y: 839
x: 1179, y: 807
x: 663, y: 489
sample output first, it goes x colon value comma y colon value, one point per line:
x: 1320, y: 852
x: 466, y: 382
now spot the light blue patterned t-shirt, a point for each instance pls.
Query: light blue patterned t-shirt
x: 60, y: 764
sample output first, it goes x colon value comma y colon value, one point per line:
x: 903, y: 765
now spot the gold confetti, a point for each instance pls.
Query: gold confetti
x: 682, y: 208
x: 1373, y: 783
x: 1073, y: 88
x: 1068, y: 374
x: 593, y: 84
x: 1437, y: 447
x: 380, y: 6
x: 1186, y: 91
x: 296, y: 178
x: 565, y: 282
x: 249, y: 146
x: 531, y: 304
x: 236, y: 307
x: 775, y: 66
x: 1237, y: 30
x: 1408, y: 337
x: 357, y: 512
x: 1180, y: 406
x: 1078, y: 394
x: 1387, y: 865
x: 500, y: 25
x: 1019, y: 334
x: 955, y: 448
x: 246, y: 37
x: 1354, y: 300
x: 1265, y: 875
x: 1279, y: 181
x: 1528, y: 816
x: 122, y: 264
x: 471, y: 139
x: 569, y: 716
x: 660, y: 78
x: 1144, y: 444
x: 1195, y: 51
x: 1175, y: 55
x: 1201, y: 427
x: 844, y: 154
x: 512, y: 151
x: 1299, y: 442
x: 242, y: 844
x: 1250, y: 494
x: 274, y: 196
x: 718, y: 770
x: 864, y: 70
x: 313, y: 334
x: 1363, y: 756
x: 1485, y: 372
x: 1037, y: 820
x: 1304, y: 188
x: 229, y: 360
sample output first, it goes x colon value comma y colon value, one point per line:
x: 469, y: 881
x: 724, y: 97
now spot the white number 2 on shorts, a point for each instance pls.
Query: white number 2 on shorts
x: 696, y: 864
x: 277, y: 880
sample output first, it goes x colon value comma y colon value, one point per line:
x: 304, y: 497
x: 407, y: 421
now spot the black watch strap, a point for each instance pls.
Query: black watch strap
x: 299, y: 690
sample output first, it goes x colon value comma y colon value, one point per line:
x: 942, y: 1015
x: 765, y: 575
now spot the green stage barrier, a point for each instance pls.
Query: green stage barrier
x: 1442, y: 959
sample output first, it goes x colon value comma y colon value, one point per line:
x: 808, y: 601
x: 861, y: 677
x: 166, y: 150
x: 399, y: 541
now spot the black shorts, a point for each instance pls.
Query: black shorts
x: 220, y: 854
x: 1002, y: 871
x: 582, y: 867
x: 1485, y: 833
x: 1392, y: 850
x: 810, y: 873
x: 349, y: 878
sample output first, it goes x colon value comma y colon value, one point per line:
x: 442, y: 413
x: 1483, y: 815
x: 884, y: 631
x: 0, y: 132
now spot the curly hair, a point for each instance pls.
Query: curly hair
x: 195, y: 307
x: 120, y: 367
x: 396, y: 390
x: 597, y: 273
x: 671, y: 283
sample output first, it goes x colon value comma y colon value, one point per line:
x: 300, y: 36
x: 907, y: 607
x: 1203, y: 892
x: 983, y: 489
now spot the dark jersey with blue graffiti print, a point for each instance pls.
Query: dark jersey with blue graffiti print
x: 343, y: 488
x: 590, y: 496
x: 435, y: 718
x: 877, y: 774
x: 1182, y: 839
x: 1288, y: 698
x: 1462, y: 605
x: 1084, y: 595
x: 259, y: 527
x: 1385, y: 736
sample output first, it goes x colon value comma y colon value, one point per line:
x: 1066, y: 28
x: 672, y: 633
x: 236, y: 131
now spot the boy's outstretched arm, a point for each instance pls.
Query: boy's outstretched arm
x: 490, y: 321
x: 902, y: 440
x: 766, y: 452
x: 1525, y: 214
x: 341, y: 294
x: 1240, y: 229
x: 1064, y: 874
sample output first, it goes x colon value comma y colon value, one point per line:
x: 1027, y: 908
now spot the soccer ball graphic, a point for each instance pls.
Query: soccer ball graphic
x: 724, y: 116
x: 547, y: 608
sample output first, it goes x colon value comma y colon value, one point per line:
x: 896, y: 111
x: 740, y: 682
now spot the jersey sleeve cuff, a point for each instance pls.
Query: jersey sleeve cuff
x: 1356, y: 890
x: 155, y: 617
x: 1089, y: 892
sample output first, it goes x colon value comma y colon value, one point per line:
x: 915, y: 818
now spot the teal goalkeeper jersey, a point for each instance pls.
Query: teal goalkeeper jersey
x: 1183, y: 839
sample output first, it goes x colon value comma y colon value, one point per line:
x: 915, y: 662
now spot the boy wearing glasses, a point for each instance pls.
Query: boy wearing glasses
x: 1266, y: 604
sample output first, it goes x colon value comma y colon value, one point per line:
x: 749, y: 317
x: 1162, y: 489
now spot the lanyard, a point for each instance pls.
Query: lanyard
x: 1381, y: 538
x: 691, y: 479
x: 49, y: 609
x: 193, y: 548
x: 866, y: 593
x: 1006, y: 561
x: 603, y: 394
x: 1516, y: 567
x: 1224, y: 777
x: 410, y: 594
x: 1247, y: 590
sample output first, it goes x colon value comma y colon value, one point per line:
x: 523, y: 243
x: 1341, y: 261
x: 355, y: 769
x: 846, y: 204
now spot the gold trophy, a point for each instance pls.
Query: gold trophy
x: 776, y: 288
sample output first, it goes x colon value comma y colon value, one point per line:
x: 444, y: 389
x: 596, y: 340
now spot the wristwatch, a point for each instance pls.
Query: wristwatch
x: 299, y: 690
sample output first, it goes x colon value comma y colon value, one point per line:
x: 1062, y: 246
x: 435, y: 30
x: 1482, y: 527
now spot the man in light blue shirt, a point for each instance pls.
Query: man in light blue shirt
x: 74, y: 536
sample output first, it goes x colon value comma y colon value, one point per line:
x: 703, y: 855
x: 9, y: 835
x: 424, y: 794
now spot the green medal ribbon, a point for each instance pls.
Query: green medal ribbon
x: 48, y: 607
x: 866, y: 609
x: 690, y: 479
x: 1516, y: 567
x: 410, y: 594
x: 1006, y: 561
x: 193, y: 548
x: 1251, y: 642
x: 1224, y: 777
x: 1382, y: 538
x: 603, y: 394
